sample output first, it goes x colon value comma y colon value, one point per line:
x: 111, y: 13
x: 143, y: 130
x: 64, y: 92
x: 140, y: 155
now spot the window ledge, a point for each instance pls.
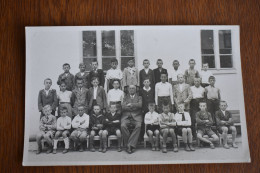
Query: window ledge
x: 223, y: 71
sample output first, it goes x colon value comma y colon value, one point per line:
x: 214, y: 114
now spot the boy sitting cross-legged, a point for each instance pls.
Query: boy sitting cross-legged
x: 47, y: 129
x: 184, y: 127
x: 151, y: 121
x: 167, y: 125
x: 80, y: 123
x: 204, y: 123
x: 225, y: 124
x: 63, y: 129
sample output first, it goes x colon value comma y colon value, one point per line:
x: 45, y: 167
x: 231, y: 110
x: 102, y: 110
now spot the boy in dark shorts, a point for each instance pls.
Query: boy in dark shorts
x: 112, y: 125
x: 204, y: 123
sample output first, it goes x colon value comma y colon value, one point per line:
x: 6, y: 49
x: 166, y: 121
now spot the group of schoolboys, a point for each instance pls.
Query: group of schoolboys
x: 174, y: 103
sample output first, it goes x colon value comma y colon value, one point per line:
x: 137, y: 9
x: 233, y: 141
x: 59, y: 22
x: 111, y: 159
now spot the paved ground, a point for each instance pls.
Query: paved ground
x: 206, y: 154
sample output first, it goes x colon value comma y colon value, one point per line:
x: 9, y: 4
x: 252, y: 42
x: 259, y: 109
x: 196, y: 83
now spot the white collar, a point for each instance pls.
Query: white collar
x: 147, y: 89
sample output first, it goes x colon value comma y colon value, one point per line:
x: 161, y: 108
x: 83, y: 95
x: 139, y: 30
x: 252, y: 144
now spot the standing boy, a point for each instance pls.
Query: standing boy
x: 115, y: 96
x: 158, y: 71
x: 95, y: 72
x: 174, y: 73
x: 145, y: 73
x: 67, y: 77
x: 205, y: 74
x: 130, y: 75
x: 82, y: 74
x: 64, y: 99
x: 147, y: 94
x: 191, y: 73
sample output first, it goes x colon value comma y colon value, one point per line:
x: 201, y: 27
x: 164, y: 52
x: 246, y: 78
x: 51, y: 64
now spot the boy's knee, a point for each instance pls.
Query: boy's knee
x: 156, y: 132
x: 118, y: 133
x: 184, y: 130
x: 165, y: 131
x: 189, y: 130
x: 39, y: 136
x: 104, y: 133
x: 171, y: 131
x: 215, y: 138
x: 64, y: 135
x: 233, y: 129
x: 224, y: 129
x: 92, y: 133
x: 150, y: 133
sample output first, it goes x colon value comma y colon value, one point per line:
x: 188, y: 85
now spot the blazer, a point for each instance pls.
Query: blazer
x: 101, y: 97
x: 98, y: 73
x: 69, y: 80
x: 150, y: 75
x: 147, y: 97
x: 85, y: 79
x: 130, y: 78
x: 50, y: 99
x: 221, y: 117
x: 79, y: 97
x: 181, y: 96
x: 157, y: 74
x: 135, y: 111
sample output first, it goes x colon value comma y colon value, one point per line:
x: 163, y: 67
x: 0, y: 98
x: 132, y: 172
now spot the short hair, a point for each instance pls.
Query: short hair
x: 180, y: 74
x: 212, y: 77
x: 116, y: 80
x: 222, y: 101
x: 197, y: 78
x: 96, y: 106
x: 63, y: 108
x: 79, y: 79
x: 95, y: 78
x: 113, y: 104
x: 131, y: 59
x: 63, y: 82
x: 81, y: 105
x: 192, y: 60
x: 82, y: 64
x: 47, y: 79
x: 146, y: 60
x: 151, y: 104
x: 181, y: 103
x: 114, y: 60
x: 202, y: 102
x: 95, y: 61
x: 176, y: 61
x: 159, y: 60
x: 165, y: 104
x: 205, y: 63
x: 66, y: 64
x: 147, y: 78
x: 46, y: 107
x: 163, y: 73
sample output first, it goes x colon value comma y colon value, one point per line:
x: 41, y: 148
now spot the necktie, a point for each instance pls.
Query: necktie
x: 183, y: 117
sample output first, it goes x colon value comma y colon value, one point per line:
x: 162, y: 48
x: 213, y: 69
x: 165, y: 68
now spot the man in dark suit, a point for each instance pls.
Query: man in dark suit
x: 131, y: 118
x: 158, y: 71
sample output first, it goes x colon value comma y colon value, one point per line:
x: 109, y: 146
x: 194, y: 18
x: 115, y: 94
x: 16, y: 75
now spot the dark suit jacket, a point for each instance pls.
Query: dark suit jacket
x: 157, y: 74
x: 221, y: 117
x: 100, y: 74
x: 143, y: 75
x: 80, y: 97
x: 135, y: 111
x: 147, y: 97
x: 50, y: 99
x: 69, y: 80
x: 101, y: 97
x: 85, y: 79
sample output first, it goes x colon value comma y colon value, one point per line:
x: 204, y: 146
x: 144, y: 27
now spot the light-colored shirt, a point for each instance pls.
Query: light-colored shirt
x: 95, y: 92
x: 162, y: 90
x: 174, y: 73
x: 224, y: 112
x: 166, y: 118
x: 146, y: 70
x: 115, y: 95
x: 205, y: 76
x: 65, y: 122
x: 186, y: 122
x: 197, y: 92
x: 212, y: 92
x: 79, y: 119
x: 147, y: 89
x: 114, y: 74
x: 47, y: 91
x: 151, y: 118
x: 64, y: 96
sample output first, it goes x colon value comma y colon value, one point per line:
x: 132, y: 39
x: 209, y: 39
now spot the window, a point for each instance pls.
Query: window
x: 216, y: 49
x: 106, y: 45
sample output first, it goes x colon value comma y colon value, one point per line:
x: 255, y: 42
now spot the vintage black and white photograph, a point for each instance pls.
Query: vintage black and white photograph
x: 113, y: 95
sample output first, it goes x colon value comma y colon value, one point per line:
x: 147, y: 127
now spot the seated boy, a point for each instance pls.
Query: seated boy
x: 167, y: 125
x: 112, y: 125
x: 80, y: 123
x: 204, y: 123
x: 225, y: 124
x: 96, y: 123
x: 82, y: 74
x: 183, y: 121
x: 47, y: 129
x: 115, y: 96
x: 151, y: 120
x: 63, y: 129
x: 67, y: 77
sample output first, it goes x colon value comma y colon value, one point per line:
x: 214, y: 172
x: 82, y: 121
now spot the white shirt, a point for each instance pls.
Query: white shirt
x: 132, y: 96
x: 115, y: 95
x: 223, y: 112
x: 65, y: 122
x: 181, y: 85
x: 78, y: 119
x: 162, y: 90
x: 114, y: 74
x: 205, y: 76
x: 151, y: 118
x: 178, y: 118
x: 197, y: 92
x: 174, y: 73
x: 95, y: 92
x: 82, y: 74
x: 146, y: 70
x: 64, y: 96
x: 47, y: 91
x: 147, y: 89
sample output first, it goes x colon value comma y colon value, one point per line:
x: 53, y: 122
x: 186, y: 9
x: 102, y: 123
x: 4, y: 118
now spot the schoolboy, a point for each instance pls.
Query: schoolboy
x: 95, y: 72
x: 213, y: 97
x: 182, y: 93
x: 67, y: 77
x: 183, y: 121
x: 64, y: 98
x: 63, y: 129
x: 112, y: 74
x: 151, y: 120
x: 147, y: 94
x: 47, y: 129
x: 82, y: 74
x: 112, y: 125
x: 225, y: 124
x: 97, y: 95
x: 191, y: 73
x: 158, y: 71
x: 174, y: 73
x: 205, y: 74
x: 198, y: 95
x: 130, y: 75
x: 80, y: 123
x: 79, y: 97
x: 204, y: 123
x: 97, y: 125
x: 115, y: 96
x: 145, y: 73
x: 163, y: 93
x: 167, y: 124
x: 47, y: 96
